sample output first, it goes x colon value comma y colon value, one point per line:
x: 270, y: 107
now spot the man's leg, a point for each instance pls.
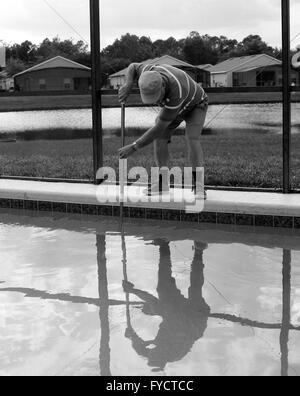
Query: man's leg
x: 161, y: 152
x: 161, y: 155
x: 196, y: 298
x: 194, y: 128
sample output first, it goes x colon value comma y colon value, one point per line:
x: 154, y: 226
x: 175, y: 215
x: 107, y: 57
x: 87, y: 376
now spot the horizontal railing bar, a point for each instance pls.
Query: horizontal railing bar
x: 45, y: 93
x: 108, y: 92
x: 46, y: 179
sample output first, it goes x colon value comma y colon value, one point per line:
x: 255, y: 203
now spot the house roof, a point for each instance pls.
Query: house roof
x: 119, y: 73
x: 168, y: 60
x: 163, y: 60
x: 205, y: 67
x: 57, y: 62
x: 245, y: 63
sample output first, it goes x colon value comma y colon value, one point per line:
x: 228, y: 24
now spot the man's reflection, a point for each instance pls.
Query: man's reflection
x: 184, y: 320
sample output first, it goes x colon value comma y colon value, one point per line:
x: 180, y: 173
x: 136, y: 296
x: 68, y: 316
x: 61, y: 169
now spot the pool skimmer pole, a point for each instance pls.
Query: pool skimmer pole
x: 121, y: 174
x: 122, y: 188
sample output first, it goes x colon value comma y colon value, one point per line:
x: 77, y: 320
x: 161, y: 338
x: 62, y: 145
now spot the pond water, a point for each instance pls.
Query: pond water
x: 255, y: 117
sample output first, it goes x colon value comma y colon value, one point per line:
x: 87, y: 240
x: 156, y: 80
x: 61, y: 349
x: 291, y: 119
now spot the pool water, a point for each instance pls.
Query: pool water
x: 86, y: 296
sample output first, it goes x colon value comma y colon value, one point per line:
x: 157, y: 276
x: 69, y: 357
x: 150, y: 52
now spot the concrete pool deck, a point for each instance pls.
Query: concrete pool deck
x: 222, y: 207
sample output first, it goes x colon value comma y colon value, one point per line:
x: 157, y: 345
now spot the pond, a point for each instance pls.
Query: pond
x: 225, y: 119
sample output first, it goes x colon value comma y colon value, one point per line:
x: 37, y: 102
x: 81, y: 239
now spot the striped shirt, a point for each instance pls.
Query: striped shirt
x: 182, y: 92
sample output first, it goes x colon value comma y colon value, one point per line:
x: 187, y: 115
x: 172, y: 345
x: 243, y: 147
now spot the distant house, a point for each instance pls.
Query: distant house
x: 250, y: 71
x: 6, y: 83
x: 2, y: 56
x: 56, y: 74
x: 198, y: 73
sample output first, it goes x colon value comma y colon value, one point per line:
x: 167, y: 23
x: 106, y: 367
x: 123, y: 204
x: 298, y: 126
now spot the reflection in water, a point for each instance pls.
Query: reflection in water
x: 43, y: 295
x: 184, y: 320
x: 104, y: 357
x: 286, y: 312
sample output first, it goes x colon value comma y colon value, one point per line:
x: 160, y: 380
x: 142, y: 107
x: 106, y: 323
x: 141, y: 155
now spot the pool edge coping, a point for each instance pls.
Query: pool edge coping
x: 223, y: 207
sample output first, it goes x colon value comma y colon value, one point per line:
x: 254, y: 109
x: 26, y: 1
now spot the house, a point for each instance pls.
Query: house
x: 250, y: 71
x: 56, y: 74
x: 6, y: 83
x: 2, y: 56
x: 198, y: 73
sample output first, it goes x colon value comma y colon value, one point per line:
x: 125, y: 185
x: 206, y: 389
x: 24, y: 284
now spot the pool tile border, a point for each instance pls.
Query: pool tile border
x: 234, y: 219
x: 245, y: 220
x: 297, y: 222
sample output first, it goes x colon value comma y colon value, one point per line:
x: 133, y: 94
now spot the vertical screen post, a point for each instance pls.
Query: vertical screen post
x: 96, y: 87
x: 286, y: 72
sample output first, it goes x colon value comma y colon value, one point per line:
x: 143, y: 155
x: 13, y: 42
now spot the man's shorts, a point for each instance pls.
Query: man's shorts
x: 192, y: 116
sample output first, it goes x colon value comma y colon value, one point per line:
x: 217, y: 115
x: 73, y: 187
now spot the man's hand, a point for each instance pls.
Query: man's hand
x: 124, y: 92
x: 126, y: 151
x: 128, y: 286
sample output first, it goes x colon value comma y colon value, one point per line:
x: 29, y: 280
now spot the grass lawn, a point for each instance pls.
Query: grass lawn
x: 251, y: 160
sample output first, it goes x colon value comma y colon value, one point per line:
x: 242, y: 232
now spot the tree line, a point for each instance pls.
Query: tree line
x: 195, y: 49
x: 20, y: 57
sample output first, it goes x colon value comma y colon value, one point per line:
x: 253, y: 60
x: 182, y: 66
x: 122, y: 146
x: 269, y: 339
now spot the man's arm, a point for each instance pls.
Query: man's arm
x: 131, y: 77
x: 153, y: 133
x: 148, y: 137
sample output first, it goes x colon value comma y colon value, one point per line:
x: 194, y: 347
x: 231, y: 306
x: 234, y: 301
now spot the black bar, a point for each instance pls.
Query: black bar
x: 96, y: 86
x: 46, y: 179
x: 108, y: 92
x: 245, y: 189
x: 286, y: 73
x: 286, y: 312
x: 136, y: 91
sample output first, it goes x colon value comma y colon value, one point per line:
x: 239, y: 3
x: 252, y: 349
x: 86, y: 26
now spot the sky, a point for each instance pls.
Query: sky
x: 35, y: 20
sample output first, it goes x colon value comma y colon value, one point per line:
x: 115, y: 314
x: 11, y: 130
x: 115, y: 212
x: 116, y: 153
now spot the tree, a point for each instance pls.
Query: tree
x: 199, y: 50
x: 30, y: 54
x: 67, y: 48
x: 25, y: 52
x: 226, y: 47
x: 129, y: 47
x: 170, y: 47
x: 195, y: 49
x: 253, y: 45
x: 14, y: 66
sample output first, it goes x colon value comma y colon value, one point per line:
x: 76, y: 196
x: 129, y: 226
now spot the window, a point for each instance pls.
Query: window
x: 67, y: 83
x: 42, y: 84
x: 266, y: 78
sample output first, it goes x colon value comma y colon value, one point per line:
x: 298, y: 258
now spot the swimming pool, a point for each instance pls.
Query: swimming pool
x: 84, y: 296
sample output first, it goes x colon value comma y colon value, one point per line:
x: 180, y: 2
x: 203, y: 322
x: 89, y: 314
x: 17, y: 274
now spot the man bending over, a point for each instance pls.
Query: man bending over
x: 181, y: 99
